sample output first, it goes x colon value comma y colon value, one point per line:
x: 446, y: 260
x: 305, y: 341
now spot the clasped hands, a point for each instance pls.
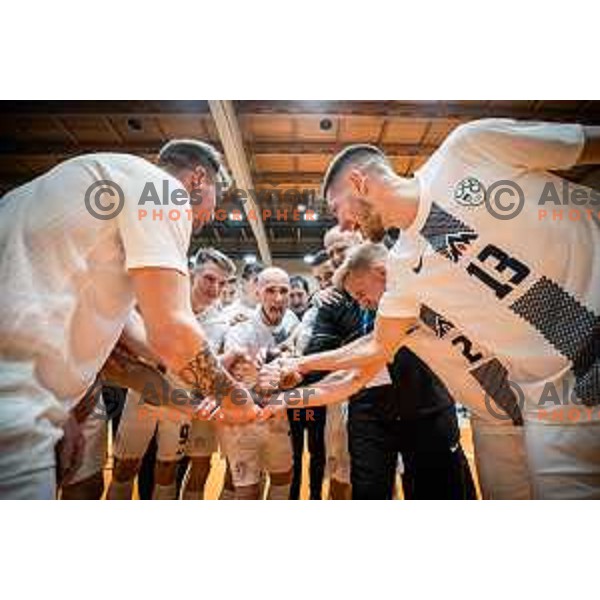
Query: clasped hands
x: 259, y: 395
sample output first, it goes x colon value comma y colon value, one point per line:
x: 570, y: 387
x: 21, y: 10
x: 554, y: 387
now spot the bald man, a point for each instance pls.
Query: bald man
x: 265, y: 446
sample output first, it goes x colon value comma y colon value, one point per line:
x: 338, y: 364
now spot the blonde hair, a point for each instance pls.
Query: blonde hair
x: 360, y: 258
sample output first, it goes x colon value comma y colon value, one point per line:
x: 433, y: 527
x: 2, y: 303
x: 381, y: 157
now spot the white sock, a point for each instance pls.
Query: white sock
x: 120, y: 490
x: 279, y: 492
x: 164, y: 492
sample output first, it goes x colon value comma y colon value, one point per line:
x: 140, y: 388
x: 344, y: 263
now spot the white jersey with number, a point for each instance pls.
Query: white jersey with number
x: 519, y: 297
x: 66, y: 293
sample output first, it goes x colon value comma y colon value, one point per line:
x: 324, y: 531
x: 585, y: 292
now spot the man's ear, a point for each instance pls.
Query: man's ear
x: 200, y: 176
x: 380, y: 269
x: 358, y: 182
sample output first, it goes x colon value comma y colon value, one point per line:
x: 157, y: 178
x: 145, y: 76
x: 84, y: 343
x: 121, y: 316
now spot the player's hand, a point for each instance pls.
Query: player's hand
x: 232, y: 356
x: 206, y: 410
x: 268, y: 378
x: 329, y: 295
x: 290, y: 375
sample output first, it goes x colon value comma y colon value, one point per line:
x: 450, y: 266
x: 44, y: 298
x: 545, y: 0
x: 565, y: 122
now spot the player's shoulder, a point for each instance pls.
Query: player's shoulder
x: 473, y: 132
x: 113, y: 159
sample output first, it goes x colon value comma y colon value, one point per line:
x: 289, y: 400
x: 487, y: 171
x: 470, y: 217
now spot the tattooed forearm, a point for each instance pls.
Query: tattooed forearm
x: 206, y: 375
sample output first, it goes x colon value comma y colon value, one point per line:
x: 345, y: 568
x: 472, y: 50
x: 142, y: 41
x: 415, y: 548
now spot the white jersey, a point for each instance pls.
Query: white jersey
x: 214, y: 323
x: 241, y: 309
x: 238, y: 308
x: 256, y: 337
x: 66, y: 293
x: 518, y: 297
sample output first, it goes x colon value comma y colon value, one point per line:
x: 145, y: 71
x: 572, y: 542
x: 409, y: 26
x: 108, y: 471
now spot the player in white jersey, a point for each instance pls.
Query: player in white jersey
x: 498, y: 439
x: 524, y: 289
x: 76, y: 254
x: 243, y: 307
x: 260, y: 446
x: 175, y: 433
x: 211, y: 271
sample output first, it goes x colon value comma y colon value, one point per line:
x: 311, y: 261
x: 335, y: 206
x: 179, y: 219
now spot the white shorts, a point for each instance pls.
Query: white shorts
x: 95, y: 451
x: 202, y: 441
x: 501, y: 460
x: 564, y: 460
x: 336, y: 443
x: 256, y: 447
x: 138, y: 424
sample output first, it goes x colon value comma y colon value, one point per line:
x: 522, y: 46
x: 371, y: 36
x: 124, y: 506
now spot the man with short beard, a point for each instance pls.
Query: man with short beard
x: 524, y: 291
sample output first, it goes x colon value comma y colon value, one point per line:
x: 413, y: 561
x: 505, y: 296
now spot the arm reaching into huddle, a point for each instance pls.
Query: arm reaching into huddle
x: 332, y: 389
x: 178, y: 340
x: 370, y: 352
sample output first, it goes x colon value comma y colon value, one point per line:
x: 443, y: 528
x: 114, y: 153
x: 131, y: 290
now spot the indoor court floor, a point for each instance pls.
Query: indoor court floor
x: 215, y: 479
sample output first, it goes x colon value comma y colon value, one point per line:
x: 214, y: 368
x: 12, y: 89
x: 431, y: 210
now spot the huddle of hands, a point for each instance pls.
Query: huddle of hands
x: 258, y: 393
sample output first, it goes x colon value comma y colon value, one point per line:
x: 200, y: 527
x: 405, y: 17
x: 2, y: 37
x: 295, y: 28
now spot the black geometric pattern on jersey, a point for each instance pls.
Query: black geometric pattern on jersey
x: 570, y: 327
x: 446, y: 234
x: 436, y: 322
x: 493, y: 378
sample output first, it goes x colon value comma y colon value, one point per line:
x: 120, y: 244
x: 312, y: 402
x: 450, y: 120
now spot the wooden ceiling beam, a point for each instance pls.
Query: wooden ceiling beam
x: 417, y: 109
x: 230, y: 135
x: 40, y: 147
x: 103, y: 107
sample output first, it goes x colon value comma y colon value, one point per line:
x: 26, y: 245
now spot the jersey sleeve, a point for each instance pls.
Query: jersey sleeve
x: 154, y: 242
x: 399, y: 300
x: 527, y: 144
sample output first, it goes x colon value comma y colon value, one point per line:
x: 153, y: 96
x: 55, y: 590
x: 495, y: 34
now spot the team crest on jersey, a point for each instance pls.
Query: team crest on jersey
x: 469, y: 192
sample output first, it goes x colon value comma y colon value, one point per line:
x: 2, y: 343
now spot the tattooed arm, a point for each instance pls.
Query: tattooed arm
x: 176, y: 337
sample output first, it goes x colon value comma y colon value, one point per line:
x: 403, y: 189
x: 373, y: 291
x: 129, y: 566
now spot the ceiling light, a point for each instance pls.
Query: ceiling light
x: 325, y: 124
